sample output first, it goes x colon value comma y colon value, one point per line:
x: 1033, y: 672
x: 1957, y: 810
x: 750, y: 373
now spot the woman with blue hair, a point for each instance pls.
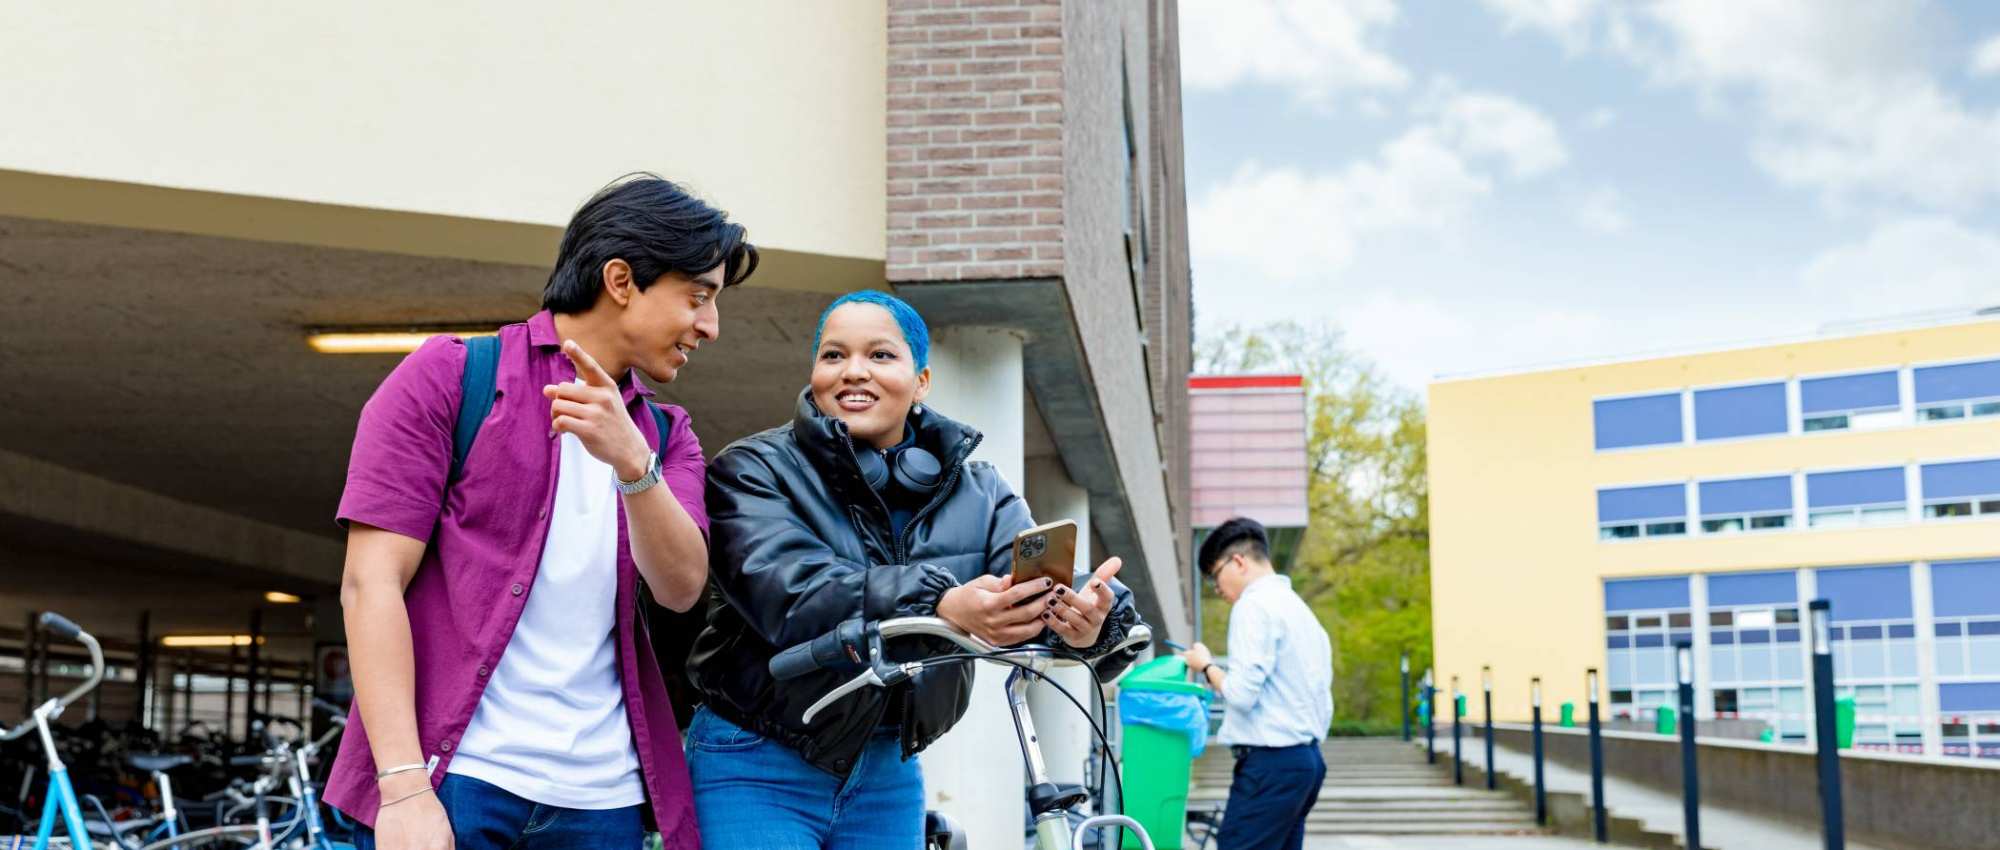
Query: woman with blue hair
x: 863, y: 506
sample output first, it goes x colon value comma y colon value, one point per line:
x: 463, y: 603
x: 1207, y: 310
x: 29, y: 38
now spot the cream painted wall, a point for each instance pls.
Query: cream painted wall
x: 772, y: 109
x: 1516, y: 566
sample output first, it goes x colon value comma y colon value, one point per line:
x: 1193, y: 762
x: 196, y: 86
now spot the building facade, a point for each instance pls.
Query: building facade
x: 1593, y: 516
x: 175, y: 224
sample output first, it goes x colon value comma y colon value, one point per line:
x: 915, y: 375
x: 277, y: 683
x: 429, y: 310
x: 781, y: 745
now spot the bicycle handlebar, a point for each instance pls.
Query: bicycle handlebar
x: 61, y: 627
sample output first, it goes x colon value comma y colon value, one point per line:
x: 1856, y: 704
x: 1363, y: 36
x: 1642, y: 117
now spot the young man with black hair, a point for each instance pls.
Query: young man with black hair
x: 1279, y: 690
x: 506, y: 694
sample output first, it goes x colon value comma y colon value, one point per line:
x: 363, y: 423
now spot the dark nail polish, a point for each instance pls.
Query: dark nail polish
x: 1061, y: 590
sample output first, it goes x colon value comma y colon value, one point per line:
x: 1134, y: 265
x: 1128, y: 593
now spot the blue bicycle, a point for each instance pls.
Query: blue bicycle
x: 61, y: 796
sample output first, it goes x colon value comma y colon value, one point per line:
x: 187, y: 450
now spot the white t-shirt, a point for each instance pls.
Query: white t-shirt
x: 551, y: 727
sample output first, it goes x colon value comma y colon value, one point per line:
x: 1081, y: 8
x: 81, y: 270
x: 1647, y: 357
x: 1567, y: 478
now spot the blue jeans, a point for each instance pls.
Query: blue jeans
x: 486, y: 817
x: 1273, y: 789
x: 752, y: 792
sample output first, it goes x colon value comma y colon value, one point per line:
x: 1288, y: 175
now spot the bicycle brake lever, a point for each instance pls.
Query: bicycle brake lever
x: 870, y: 677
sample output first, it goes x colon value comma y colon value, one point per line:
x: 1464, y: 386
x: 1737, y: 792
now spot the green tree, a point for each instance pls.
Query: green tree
x: 1364, y: 563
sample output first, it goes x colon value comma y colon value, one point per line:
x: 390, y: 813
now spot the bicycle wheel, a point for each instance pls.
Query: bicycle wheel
x: 233, y: 835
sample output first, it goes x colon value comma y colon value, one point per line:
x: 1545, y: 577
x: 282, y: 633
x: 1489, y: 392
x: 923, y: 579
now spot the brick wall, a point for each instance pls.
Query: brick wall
x: 975, y: 139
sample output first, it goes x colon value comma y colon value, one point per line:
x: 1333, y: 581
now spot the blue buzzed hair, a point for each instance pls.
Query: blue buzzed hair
x: 916, y: 334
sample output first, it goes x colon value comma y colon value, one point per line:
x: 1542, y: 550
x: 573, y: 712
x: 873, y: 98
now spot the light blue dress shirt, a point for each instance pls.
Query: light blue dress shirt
x: 1279, y: 686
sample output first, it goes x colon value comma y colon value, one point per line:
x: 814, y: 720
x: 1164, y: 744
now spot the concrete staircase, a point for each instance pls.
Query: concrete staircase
x: 1382, y: 786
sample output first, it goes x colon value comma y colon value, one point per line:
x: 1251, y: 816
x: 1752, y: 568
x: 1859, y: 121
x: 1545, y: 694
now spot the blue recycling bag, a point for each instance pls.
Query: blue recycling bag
x: 1183, y: 713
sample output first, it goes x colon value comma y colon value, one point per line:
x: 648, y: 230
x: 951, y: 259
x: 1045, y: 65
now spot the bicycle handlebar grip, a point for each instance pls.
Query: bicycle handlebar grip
x: 246, y: 761
x: 60, y: 625
x: 825, y: 652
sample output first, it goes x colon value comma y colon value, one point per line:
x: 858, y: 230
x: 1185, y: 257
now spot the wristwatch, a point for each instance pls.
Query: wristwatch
x: 646, y: 481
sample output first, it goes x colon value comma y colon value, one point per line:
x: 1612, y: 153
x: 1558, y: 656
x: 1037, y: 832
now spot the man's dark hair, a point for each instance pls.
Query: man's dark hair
x: 653, y: 225
x: 1240, y: 535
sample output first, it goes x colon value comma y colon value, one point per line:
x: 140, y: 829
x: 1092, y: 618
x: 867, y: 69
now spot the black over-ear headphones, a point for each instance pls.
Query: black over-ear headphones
x: 912, y: 469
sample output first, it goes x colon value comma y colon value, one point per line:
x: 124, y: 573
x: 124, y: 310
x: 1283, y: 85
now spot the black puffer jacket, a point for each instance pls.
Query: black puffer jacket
x: 799, y: 543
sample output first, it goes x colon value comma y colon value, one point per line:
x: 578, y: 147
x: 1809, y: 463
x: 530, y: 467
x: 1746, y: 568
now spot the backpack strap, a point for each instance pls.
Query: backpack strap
x: 665, y: 427
x: 476, y: 387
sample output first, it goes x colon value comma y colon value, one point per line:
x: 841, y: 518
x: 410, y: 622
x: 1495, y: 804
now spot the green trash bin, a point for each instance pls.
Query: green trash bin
x: 1568, y: 716
x: 1156, y: 761
x: 1843, y: 722
x: 1663, y: 720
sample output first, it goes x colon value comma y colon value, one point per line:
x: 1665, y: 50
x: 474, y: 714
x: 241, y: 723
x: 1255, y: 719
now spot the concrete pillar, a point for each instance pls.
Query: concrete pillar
x: 1924, y: 606
x: 1704, y: 688
x: 1065, y: 732
x: 973, y: 773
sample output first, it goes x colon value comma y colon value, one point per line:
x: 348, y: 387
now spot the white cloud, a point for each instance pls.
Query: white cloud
x: 1316, y: 47
x: 1842, y: 98
x: 1289, y: 224
x: 1601, y: 210
x: 1986, y: 58
x: 1928, y: 262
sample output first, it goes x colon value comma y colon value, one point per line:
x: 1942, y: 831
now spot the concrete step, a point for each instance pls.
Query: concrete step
x: 1469, y: 828
x: 1374, y: 795
x: 1435, y: 815
x: 1415, y: 806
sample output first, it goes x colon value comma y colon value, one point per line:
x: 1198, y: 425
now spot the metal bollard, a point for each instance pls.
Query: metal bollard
x: 1404, y: 667
x: 1833, y: 820
x: 1430, y: 720
x: 1486, y: 684
x: 1457, y: 735
x: 1690, y: 773
x: 1535, y: 717
x: 1596, y: 764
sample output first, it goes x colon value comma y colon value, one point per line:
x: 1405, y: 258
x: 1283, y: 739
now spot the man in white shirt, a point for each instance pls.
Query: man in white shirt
x: 1279, y: 690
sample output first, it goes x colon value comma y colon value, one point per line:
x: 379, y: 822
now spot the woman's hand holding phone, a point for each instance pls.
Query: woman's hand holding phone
x: 989, y: 607
x: 1078, y: 616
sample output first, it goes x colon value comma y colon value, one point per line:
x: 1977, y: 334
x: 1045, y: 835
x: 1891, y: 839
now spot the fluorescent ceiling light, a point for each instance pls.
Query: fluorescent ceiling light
x: 386, y: 340
x: 206, y: 640
x: 279, y: 597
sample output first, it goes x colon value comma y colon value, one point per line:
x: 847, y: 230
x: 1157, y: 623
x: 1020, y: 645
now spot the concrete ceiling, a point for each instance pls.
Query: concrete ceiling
x: 177, y: 363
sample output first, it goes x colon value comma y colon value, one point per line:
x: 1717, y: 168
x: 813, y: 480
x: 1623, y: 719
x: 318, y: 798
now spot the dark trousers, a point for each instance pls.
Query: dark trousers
x: 1273, y: 789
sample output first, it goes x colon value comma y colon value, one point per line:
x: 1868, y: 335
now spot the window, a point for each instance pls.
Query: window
x: 1639, y: 657
x: 1850, y: 401
x: 1971, y: 724
x: 1630, y: 512
x: 1756, y: 655
x: 1971, y: 488
x: 1643, y: 421
x: 1958, y: 391
x: 1856, y: 497
x: 1875, y: 653
x: 1740, y: 411
x: 1745, y: 504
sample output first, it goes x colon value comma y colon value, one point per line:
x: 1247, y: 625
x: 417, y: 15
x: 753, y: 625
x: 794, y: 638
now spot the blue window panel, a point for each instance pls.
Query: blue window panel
x: 1617, y: 642
x: 1983, y: 628
x: 1723, y: 636
x: 1966, y: 588
x: 1754, y: 636
x: 1948, y: 629
x: 1645, y: 594
x: 1959, y: 480
x: 1969, y: 696
x: 1788, y: 635
x: 1854, y: 487
x: 1746, y: 496
x: 1740, y: 412
x: 1645, y: 421
x: 1867, y: 593
x: 1865, y: 632
x: 1904, y: 630
x: 1646, y: 640
x: 1752, y: 588
x: 1961, y: 381
x: 1681, y: 637
x: 1626, y: 504
x: 1849, y: 392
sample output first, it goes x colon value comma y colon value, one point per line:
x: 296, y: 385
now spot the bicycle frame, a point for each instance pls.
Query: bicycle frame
x: 61, y: 796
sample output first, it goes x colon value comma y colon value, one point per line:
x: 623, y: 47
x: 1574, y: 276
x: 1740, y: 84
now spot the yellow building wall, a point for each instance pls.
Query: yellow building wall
x: 1516, y: 566
x: 512, y: 112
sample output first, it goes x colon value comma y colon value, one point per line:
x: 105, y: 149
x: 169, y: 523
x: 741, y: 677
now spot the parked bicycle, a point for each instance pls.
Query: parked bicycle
x: 60, y: 800
x: 857, y: 643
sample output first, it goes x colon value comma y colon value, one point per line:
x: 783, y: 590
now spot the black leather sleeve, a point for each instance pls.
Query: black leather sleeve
x: 790, y: 585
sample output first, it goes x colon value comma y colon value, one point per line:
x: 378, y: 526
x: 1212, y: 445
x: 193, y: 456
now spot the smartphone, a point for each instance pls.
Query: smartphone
x: 1046, y: 551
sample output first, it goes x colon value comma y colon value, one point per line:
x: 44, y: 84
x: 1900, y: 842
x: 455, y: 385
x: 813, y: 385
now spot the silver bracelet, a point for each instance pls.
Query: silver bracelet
x: 410, y: 796
x: 402, y: 768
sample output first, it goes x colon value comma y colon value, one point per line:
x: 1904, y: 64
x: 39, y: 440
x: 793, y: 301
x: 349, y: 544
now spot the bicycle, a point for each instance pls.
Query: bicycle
x: 60, y: 799
x: 855, y: 642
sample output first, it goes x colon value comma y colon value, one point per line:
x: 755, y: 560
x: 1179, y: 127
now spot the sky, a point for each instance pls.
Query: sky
x: 1463, y: 186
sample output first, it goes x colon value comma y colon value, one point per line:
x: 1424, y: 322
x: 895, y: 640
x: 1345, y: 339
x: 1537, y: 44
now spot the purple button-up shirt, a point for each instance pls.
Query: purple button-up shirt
x: 485, y: 534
